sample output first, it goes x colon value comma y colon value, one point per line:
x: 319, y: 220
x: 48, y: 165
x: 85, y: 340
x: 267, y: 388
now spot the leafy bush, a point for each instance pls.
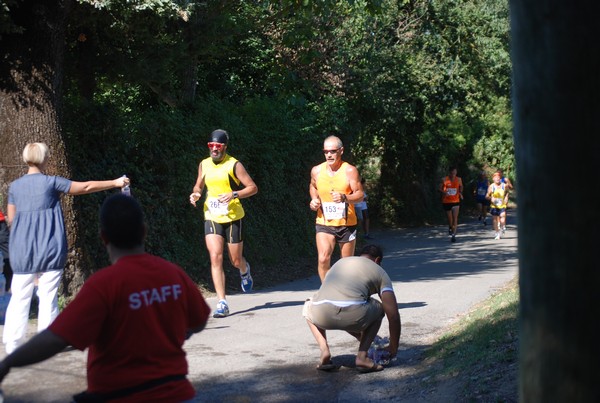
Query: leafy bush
x: 160, y: 148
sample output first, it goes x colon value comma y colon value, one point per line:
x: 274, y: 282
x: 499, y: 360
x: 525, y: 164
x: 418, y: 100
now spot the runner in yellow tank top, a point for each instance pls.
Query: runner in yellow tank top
x: 497, y: 194
x: 218, y: 178
x: 507, y: 184
x: 334, y: 188
x: 223, y: 213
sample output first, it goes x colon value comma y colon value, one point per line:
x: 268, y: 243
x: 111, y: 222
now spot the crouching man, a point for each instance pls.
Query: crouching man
x: 344, y: 303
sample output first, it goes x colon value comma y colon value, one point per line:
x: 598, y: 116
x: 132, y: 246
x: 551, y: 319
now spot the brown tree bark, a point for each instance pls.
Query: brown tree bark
x: 30, y: 104
x: 556, y: 61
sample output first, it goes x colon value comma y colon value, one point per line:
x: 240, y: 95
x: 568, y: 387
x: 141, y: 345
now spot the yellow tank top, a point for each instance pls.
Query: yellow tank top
x: 220, y: 178
x: 334, y: 214
x: 498, y: 196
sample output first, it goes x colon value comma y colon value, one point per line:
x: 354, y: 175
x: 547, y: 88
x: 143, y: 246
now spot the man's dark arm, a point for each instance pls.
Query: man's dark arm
x: 41, y: 347
x: 390, y: 307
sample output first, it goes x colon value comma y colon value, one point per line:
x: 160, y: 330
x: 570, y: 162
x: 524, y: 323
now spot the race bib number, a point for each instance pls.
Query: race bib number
x: 451, y: 191
x: 481, y: 191
x: 498, y: 202
x: 216, y: 207
x: 334, y: 211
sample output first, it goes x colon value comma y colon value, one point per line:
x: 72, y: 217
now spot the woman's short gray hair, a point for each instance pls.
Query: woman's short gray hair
x: 35, y: 153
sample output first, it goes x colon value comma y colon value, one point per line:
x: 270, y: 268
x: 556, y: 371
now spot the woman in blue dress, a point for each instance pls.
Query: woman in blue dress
x: 38, y: 240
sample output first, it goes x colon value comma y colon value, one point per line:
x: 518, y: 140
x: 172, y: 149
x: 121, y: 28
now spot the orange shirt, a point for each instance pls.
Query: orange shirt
x: 451, y: 190
x: 334, y: 214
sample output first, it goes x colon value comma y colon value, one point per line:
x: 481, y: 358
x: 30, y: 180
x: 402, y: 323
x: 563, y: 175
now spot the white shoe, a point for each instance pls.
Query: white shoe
x: 222, y: 309
x: 497, y: 235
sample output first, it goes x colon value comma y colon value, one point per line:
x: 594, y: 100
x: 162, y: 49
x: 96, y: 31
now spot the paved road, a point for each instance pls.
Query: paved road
x: 264, y: 351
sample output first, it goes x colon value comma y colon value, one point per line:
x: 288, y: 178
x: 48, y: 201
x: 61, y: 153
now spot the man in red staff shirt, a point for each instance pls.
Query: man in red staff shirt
x: 134, y: 317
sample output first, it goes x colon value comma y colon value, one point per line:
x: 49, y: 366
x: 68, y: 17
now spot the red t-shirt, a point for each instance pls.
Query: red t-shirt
x: 2, y: 218
x: 133, y: 316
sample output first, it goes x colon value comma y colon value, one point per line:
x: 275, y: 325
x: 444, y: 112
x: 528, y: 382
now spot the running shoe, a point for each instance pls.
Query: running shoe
x: 222, y: 309
x: 453, y: 239
x: 247, y: 281
x: 497, y: 235
x: 503, y: 230
x: 479, y: 218
x: 450, y: 231
x: 484, y: 222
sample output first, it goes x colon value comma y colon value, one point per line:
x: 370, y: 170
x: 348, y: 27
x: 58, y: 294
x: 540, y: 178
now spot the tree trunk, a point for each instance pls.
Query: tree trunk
x: 189, y: 81
x: 556, y: 62
x: 30, y: 103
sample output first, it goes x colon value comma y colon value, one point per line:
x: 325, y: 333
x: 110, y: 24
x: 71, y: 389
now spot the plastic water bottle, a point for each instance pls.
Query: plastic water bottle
x: 378, y: 353
x: 126, y: 190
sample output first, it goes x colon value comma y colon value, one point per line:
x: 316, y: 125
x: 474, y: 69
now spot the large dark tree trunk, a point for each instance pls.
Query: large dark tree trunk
x: 30, y: 102
x: 556, y: 61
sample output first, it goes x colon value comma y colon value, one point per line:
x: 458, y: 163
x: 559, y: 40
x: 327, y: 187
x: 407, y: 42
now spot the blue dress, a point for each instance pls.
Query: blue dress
x: 38, y: 241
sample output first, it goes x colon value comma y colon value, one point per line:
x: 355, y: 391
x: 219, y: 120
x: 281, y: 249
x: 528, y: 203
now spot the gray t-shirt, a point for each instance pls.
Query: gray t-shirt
x: 353, y: 279
x: 38, y: 241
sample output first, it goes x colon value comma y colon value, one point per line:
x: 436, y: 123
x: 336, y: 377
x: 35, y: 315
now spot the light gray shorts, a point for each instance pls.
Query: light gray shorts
x: 354, y: 318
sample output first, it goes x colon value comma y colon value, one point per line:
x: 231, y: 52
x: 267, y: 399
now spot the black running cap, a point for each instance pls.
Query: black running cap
x: 219, y: 136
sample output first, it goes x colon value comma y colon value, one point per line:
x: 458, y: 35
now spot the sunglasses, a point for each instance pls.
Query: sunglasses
x: 218, y: 146
x: 331, y: 151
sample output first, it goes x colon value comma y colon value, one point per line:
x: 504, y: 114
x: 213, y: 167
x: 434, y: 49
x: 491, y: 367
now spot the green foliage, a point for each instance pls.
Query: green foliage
x: 159, y: 45
x: 424, y: 77
x: 160, y: 148
x: 411, y: 87
x: 495, y: 148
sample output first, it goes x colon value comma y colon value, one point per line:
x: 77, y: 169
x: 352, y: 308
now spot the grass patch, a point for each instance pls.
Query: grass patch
x: 480, y: 350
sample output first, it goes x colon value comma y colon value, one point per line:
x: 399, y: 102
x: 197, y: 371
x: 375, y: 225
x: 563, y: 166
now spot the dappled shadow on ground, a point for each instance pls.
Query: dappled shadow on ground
x: 304, y: 383
x: 270, y: 305
x: 412, y: 378
x: 410, y: 255
x: 420, y: 254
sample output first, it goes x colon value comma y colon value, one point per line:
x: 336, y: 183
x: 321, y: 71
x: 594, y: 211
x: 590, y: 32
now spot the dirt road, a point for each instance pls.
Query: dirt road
x: 264, y: 351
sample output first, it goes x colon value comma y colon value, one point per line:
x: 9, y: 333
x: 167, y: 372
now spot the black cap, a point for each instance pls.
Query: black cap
x: 219, y: 136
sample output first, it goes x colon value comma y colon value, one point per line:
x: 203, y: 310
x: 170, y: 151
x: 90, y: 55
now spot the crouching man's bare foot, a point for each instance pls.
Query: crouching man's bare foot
x: 367, y: 365
x: 326, y: 364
